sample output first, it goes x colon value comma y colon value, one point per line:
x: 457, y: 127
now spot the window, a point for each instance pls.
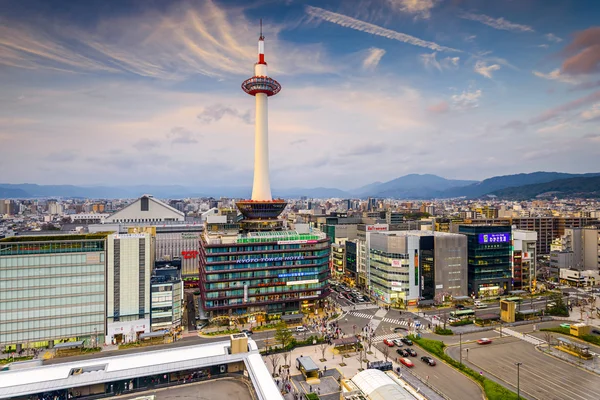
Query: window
x: 145, y: 204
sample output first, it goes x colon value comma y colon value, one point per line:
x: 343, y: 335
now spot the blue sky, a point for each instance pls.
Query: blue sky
x: 132, y: 92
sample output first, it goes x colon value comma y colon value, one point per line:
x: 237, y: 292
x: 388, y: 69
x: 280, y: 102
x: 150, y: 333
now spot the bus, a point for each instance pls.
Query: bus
x: 461, y: 314
x: 514, y: 299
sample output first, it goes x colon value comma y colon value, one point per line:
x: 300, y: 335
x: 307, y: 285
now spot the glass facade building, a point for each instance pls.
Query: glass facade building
x: 489, y: 249
x: 51, y: 290
x: 258, y: 277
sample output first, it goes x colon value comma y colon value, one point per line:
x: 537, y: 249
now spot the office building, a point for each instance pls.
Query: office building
x: 166, y: 298
x: 129, y: 263
x: 489, y: 265
x: 52, y: 288
x: 411, y: 266
x: 524, y: 259
x: 350, y: 272
x: 338, y: 260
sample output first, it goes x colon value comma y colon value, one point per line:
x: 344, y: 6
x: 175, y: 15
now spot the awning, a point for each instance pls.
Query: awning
x: 426, y: 302
x: 308, y: 364
x: 345, y: 341
x: 68, y: 345
x: 149, y: 335
x: 292, y: 317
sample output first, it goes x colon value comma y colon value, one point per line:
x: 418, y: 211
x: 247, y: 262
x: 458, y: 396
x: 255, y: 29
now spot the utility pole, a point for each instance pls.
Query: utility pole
x: 518, y: 364
x: 460, y: 346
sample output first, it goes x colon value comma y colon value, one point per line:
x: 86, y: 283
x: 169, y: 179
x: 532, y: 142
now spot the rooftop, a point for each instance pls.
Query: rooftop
x: 60, y: 236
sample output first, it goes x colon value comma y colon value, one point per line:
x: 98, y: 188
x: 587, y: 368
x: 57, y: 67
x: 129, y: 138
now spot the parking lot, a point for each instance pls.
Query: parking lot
x: 541, y: 376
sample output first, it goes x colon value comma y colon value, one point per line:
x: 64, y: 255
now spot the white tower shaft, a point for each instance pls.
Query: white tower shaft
x: 261, y: 189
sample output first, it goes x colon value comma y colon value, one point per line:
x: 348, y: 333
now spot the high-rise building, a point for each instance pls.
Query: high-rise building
x: 489, y: 265
x: 524, y: 259
x: 130, y: 259
x: 52, y: 288
x: 166, y: 287
x: 257, y: 269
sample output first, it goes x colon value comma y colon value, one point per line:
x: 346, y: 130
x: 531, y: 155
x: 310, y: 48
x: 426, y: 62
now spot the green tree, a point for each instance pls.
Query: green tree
x: 283, y: 335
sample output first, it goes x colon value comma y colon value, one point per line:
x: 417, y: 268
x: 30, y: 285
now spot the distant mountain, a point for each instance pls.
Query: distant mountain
x: 412, y: 186
x: 588, y: 187
x: 491, y: 185
x: 315, y: 193
x: 13, y: 193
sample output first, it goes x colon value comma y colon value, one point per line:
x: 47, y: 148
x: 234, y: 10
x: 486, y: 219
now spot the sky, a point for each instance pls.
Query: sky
x: 148, y: 92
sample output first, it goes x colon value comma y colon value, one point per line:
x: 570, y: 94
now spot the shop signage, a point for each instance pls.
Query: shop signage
x: 268, y: 259
x: 292, y: 283
x: 271, y: 284
x: 485, y: 238
x: 189, y: 236
x: 396, y: 263
x: 377, y: 227
x: 189, y: 254
x: 296, y: 242
x: 290, y: 274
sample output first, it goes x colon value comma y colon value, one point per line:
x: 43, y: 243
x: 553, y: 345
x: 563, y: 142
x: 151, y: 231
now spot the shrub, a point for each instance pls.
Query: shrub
x: 462, y: 322
x: 567, y: 332
x: 441, y: 331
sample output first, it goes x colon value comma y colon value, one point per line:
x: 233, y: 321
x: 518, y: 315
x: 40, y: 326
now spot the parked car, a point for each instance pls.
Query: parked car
x: 484, y: 341
x: 480, y: 305
x: 406, y: 362
x: 412, y: 352
x: 459, y: 307
x: 568, y: 326
x: 406, y: 341
x: 301, y: 329
x: 397, y: 342
x: 428, y: 360
x: 248, y: 332
x: 388, y: 343
x: 596, y: 331
x: 402, y: 353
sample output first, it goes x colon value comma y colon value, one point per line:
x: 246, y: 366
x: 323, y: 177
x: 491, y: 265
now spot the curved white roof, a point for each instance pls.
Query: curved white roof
x: 377, y: 385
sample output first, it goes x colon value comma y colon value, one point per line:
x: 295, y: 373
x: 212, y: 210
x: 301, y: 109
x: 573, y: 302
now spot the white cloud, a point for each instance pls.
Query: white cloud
x: 486, y: 70
x: 372, y: 58
x: 496, y: 23
x: 591, y: 114
x: 419, y: 8
x: 544, y: 45
x: 451, y: 61
x: 352, y: 23
x: 556, y: 75
x: 430, y: 62
x: 555, y: 128
x: 553, y: 38
x: 467, y: 99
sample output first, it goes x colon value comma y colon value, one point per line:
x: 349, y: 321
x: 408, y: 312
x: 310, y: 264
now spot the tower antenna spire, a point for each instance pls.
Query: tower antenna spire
x: 261, y: 35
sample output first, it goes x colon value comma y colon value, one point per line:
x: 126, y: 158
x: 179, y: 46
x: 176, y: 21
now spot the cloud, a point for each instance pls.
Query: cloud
x: 583, y: 53
x: 439, y: 108
x: 373, y: 57
x: 591, y: 114
x: 297, y: 141
x: 216, y: 112
x: 365, y: 149
x: 553, y: 38
x: 146, y: 144
x: 486, y: 70
x: 556, y: 75
x: 451, y: 61
x: 180, y: 135
x: 570, y: 106
x: 430, y: 62
x: 467, y: 99
x: 594, y: 137
x: 543, y: 45
x: 419, y: 8
x: 62, y: 156
x: 555, y: 128
x: 515, y: 125
x: 496, y: 23
x: 585, y: 85
x: 352, y: 23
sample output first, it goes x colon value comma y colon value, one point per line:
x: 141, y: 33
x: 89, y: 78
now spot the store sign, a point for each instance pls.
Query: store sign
x: 439, y: 286
x: 268, y: 259
x: 130, y: 236
x: 485, y: 238
x: 396, y: 263
x: 190, y: 236
x: 396, y: 283
x: 307, y: 282
x: 297, y: 242
x: 189, y: 254
x: 291, y: 274
x: 377, y: 227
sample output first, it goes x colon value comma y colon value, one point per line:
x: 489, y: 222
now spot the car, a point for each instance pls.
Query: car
x: 459, y: 307
x: 406, y: 341
x: 402, y: 352
x: 484, y: 341
x: 397, y: 342
x: 301, y: 329
x: 428, y: 360
x: 248, y: 332
x: 400, y: 328
x: 406, y: 362
x: 481, y: 305
x: 596, y: 331
x: 568, y: 326
x: 412, y: 352
x: 388, y: 343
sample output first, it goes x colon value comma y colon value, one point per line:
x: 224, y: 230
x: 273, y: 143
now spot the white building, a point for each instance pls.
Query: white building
x: 146, y: 210
x: 524, y: 267
x: 130, y: 260
x: 185, y: 245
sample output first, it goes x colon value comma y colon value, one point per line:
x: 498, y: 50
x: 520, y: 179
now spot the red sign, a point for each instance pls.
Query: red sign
x: 189, y: 254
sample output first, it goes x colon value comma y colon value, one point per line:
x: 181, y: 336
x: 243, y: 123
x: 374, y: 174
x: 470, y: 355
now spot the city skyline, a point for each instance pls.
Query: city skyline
x: 145, y: 91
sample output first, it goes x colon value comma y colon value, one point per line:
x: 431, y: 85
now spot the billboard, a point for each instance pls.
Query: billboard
x: 297, y: 241
x: 485, y: 238
x: 377, y: 227
x: 396, y: 263
x: 306, y: 282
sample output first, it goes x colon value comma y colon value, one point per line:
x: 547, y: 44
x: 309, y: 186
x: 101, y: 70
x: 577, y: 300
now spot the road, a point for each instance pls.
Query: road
x: 444, y: 378
x: 541, y: 377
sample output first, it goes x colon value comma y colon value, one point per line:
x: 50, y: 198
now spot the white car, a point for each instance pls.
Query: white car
x: 397, y: 342
x: 301, y: 329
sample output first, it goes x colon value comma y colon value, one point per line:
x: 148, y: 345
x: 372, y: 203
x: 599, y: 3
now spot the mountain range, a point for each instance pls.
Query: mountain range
x: 412, y: 186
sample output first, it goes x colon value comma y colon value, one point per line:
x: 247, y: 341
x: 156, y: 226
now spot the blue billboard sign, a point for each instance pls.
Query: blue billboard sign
x: 291, y: 274
x: 486, y: 238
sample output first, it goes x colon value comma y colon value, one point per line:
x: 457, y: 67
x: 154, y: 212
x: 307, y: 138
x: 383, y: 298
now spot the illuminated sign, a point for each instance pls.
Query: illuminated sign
x: 485, y: 238
x: 303, y: 282
x: 130, y: 236
x: 269, y: 259
x: 377, y: 227
x: 290, y: 274
x: 396, y: 263
x: 416, y: 267
x: 189, y: 254
x: 297, y: 241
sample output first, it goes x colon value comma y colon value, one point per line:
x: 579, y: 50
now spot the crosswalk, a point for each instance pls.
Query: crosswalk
x: 523, y: 336
x: 361, y: 315
x: 380, y: 338
x: 397, y: 321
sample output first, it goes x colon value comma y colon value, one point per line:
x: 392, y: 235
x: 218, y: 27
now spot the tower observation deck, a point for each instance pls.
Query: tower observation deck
x: 262, y: 207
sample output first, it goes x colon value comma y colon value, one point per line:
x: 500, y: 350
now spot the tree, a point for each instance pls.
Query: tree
x: 323, y: 348
x: 362, y: 356
x: 274, y: 360
x: 370, y: 338
x: 283, y: 335
x: 548, y: 338
x: 286, y: 355
x: 386, y: 352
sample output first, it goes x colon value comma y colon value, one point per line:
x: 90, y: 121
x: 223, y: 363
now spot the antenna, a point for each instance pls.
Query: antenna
x: 261, y: 35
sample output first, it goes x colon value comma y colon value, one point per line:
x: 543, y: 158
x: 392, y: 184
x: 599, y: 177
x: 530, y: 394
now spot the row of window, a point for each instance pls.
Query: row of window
x: 53, y: 280
x: 51, y: 302
x: 265, y: 290
x: 62, y: 290
x: 49, y: 323
x: 261, y: 299
x: 34, y: 335
x: 270, y: 247
x: 57, y: 259
x: 266, y: 282
x: 75, y: 309
x: 270, y: 273
x: 234, y: 258
x: 25, y: 272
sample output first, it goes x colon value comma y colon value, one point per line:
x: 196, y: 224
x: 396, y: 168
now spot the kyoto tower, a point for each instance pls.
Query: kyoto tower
x: 262, y: 208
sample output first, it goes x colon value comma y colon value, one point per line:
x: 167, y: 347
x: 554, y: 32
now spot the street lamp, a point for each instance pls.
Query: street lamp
x: 460, y: 346
x: 518, y: 364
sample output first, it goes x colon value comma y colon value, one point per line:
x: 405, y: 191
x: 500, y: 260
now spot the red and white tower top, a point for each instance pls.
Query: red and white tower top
x: 260, y: 82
